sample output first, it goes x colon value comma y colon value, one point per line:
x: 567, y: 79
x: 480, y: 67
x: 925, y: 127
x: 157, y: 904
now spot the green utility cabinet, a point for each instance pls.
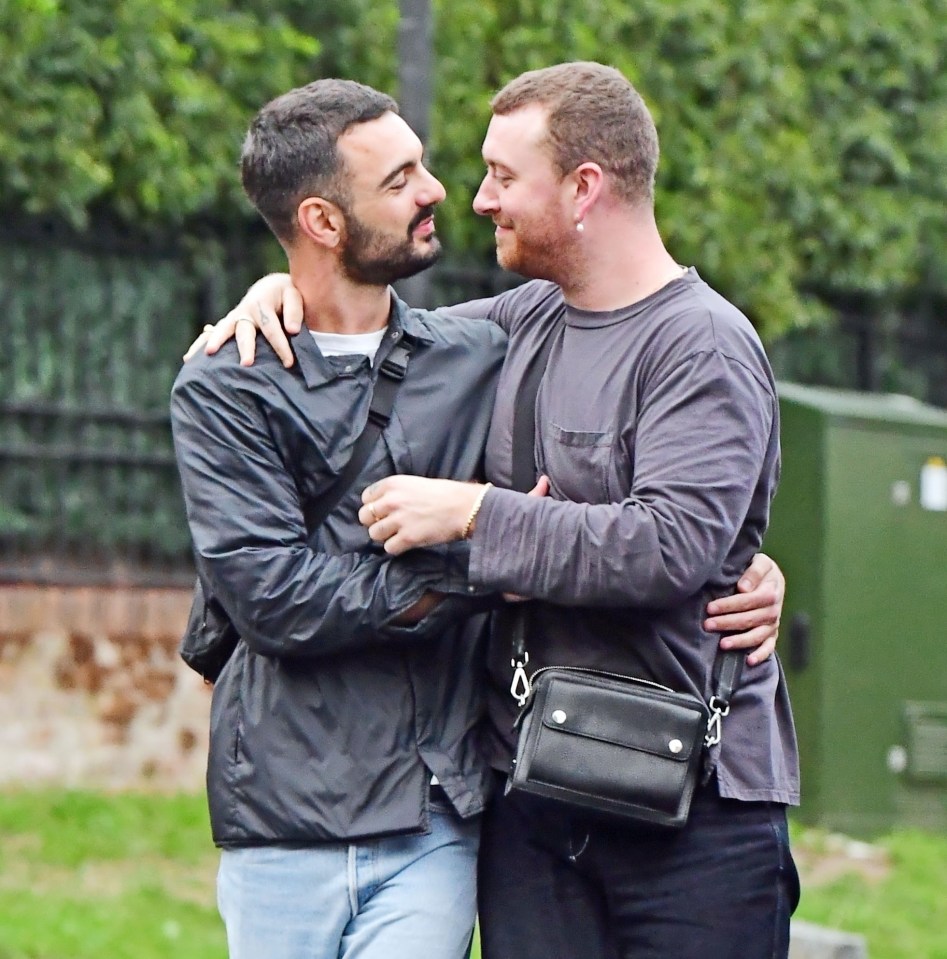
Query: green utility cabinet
x: 859, y: 526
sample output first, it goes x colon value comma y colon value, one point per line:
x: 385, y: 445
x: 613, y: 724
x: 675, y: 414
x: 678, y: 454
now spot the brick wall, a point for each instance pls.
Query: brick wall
x: 92, y: 692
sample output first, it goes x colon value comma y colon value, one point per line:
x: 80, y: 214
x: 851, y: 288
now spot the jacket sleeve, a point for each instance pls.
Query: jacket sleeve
x: 699, y: 445
x: 252, y: 550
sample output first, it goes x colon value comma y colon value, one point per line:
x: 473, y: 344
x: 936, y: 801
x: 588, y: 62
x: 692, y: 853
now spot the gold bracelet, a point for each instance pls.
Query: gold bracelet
x: 476, y: 509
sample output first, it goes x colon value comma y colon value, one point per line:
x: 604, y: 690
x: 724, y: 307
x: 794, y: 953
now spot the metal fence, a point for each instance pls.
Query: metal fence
x: 93, y: 329
x: 872, y: 350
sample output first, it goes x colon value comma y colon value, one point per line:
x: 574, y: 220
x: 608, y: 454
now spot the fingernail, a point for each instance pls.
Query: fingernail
x: 744, y: 584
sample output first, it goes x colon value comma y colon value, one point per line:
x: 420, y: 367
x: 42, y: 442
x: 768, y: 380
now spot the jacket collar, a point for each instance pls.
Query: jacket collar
x: 402, y: 321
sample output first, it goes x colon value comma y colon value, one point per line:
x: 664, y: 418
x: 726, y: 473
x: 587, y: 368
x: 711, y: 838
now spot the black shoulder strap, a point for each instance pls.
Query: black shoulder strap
x: 728, y: 668
x: 210, y: 638
x: 390, y: 374
x: 524, y: 419
x: 513, y: 619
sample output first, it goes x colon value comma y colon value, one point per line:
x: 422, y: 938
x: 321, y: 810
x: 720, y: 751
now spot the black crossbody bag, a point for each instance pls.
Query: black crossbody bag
x: 210, y: 637
x: 605, y: 743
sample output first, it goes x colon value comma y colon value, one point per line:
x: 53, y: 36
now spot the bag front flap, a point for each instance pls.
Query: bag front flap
x: 626, y: 714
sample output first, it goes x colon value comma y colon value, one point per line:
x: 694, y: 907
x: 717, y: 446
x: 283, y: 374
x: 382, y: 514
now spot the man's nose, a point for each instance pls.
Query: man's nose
x: 485, y: 200
x: 432, y: 191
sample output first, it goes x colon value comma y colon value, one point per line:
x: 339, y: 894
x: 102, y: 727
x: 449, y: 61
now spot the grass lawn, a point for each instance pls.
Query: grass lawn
x: 893, y: 892
x: 98, y: 876
x: 95, y: 876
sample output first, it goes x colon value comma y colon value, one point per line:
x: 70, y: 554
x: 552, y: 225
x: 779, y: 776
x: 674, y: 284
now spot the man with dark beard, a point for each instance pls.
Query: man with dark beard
x: 345, y: 775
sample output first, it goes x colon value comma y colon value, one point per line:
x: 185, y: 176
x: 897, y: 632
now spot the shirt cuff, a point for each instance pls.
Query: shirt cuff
x: 497, y: 514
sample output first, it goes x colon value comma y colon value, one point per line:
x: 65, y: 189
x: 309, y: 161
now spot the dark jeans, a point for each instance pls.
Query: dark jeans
x: 557, y: 886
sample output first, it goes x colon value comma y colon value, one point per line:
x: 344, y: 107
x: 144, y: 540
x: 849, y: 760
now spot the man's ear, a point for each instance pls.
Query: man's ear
x: 321, y: 221
x: 588, y: 181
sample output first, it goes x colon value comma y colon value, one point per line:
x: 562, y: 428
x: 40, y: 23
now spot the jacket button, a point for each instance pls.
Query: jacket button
x: 675, y: 745
x: 558, y: 716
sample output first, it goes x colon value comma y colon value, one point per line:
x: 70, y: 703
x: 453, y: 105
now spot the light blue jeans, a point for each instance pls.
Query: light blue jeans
x: 401, y: 897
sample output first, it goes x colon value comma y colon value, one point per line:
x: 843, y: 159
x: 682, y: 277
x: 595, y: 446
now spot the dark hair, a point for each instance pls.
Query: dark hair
x: 290, y: 151
x: 595, y: 115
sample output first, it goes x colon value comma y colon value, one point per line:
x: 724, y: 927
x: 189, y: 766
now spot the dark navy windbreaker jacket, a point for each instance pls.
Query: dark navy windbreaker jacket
x: 328, y: 722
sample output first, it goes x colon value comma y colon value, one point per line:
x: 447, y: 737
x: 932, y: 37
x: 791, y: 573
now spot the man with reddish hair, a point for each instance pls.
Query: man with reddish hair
x: 657, y: 424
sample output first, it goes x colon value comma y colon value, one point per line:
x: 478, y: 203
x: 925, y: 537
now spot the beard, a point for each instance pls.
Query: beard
x: 535, y: 251
x: 377, y: 258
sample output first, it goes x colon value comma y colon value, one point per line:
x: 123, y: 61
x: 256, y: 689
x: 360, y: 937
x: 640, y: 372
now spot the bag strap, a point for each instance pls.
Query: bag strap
x: 513, y: 620
x: 390, y: 374
x: 728, y: 668
x: 728, y: 664
x: 524, y: 419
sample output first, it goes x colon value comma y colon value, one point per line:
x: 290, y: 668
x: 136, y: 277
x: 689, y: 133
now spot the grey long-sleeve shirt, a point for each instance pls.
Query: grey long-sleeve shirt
x: 658, y: 428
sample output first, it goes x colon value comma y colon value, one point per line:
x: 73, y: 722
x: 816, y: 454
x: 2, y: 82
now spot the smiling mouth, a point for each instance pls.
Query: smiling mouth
x: 424, y: 228
x: 423, y: 223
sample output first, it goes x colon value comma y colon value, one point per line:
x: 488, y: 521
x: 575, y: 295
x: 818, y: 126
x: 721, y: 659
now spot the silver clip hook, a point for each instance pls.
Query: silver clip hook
x: 718, y: 710
x: 519, y: 687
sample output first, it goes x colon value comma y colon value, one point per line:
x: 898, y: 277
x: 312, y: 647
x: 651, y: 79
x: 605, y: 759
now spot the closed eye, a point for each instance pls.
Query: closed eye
x: 398, y: 178
x: 501, y: 176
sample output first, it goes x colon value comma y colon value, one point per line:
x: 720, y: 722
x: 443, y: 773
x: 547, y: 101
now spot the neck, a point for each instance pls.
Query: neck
x: 332, y: 303
x: 621, y: 259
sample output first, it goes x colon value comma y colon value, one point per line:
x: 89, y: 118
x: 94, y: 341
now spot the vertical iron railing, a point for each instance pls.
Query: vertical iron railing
x: 94, y: 327
x: 93, y: 330
x: 88, y: 485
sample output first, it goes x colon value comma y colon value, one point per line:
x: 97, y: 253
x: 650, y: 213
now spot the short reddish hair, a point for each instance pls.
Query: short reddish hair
x: 595, y: 115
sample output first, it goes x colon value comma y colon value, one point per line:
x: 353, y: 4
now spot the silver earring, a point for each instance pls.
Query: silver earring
x: 580, y: 227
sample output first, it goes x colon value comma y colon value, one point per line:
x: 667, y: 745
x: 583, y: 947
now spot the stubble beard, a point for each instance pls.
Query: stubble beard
x: 376, y: 258
x: 544, y: 259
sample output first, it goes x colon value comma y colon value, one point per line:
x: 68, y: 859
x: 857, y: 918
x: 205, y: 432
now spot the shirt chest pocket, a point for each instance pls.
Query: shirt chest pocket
x: 580, y: 464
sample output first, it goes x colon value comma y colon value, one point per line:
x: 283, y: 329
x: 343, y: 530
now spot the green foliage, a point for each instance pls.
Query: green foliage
x: 94, y: 342
x: 802, y: 140
x: 360, y: 37
x: 137, y: 107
